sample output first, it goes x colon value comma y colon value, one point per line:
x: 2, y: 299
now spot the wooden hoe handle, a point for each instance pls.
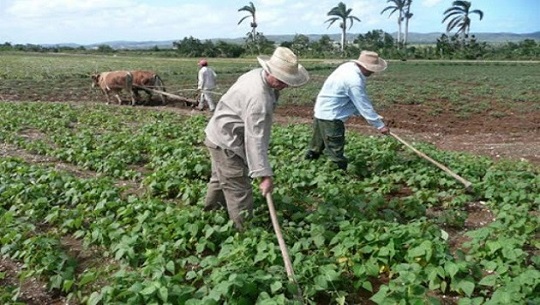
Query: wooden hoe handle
x: 466, y: 183
x: 282, y: 245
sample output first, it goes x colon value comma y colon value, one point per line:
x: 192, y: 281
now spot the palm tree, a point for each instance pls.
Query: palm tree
x: 460, y: 12
x: 407, y: 15
x: 398, y: 6
x: 251, y: 10
x: 342, y: 13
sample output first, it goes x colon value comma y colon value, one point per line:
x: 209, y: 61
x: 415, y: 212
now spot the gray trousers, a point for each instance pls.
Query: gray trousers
x: 229, y: 185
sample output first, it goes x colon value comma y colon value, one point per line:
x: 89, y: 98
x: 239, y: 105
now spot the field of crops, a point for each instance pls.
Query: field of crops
x: 102, y: 203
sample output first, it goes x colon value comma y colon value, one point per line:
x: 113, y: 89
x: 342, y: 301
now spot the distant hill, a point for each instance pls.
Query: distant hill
x: 413, y: 38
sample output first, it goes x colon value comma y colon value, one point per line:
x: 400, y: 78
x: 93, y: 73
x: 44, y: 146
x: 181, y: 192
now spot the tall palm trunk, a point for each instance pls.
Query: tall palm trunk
x: 408, y: 16
x: 343, y: 37
x: 400, y: 21
x: 406, y: 32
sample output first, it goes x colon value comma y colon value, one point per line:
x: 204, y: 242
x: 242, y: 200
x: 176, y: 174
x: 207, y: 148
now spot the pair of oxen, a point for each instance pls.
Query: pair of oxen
x: 113, y: 82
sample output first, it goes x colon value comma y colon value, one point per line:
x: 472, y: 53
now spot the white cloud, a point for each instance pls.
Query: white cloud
x: 270, y: 3
x: 46, y: 9
x: 431, y: 3
x: 95, y: 21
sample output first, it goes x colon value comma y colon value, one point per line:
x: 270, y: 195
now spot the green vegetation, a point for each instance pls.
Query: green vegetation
x: 512, y: 85
x: 365, y: 234
x: 133, y: 181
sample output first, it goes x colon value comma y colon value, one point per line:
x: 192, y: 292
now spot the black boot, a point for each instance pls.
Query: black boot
x: 311, y: 155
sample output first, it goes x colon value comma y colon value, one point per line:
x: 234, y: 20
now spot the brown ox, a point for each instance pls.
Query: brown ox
x: 145, y: 80
x: 115, y: 82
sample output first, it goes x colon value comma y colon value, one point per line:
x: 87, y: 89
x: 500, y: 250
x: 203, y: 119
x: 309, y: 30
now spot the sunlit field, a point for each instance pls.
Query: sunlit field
x: 404, y: 82
x: 102, y: 204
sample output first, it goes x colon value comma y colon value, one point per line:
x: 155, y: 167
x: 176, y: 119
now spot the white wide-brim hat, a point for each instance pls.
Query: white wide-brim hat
x: 283, y: 65
x: 371, y: 61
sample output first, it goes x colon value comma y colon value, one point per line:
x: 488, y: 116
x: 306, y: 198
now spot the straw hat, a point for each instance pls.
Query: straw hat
x: 371, y: 61
x: 284, y: 66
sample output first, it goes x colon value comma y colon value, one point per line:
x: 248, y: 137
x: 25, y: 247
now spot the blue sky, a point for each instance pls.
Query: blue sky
x: 96, y: 21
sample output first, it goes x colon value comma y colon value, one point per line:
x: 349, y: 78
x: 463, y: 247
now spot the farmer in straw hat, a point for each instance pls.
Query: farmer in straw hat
x: 343, y: 95
x: 238, y: 134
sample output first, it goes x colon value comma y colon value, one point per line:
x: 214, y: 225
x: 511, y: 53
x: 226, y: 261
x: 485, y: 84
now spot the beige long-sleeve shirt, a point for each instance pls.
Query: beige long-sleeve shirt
x: 242, y: 121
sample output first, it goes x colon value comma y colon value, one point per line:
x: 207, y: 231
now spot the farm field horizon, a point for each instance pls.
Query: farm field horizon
x: 101, y: 204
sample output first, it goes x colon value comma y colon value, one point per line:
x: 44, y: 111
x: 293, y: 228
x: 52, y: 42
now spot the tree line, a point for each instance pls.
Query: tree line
x: 459, y: 45
x: 446, y: 47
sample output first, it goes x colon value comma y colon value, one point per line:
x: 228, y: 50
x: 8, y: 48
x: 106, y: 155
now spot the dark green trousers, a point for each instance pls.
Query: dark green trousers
x: 328, y: 138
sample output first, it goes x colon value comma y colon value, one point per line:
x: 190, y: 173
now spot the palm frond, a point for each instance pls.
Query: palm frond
x: 331, y: 20
x: 352, y: 18
x: 389, y: 8
x: 245, y: 17
x: 479, y: 12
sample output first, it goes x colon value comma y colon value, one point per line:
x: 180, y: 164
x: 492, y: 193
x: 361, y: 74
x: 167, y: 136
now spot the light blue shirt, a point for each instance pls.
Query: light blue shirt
x: 344, y: 94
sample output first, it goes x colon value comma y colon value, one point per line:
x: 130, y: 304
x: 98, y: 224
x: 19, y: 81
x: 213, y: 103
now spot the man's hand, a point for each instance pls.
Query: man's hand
x: 267, y: 185
x: 385, y: 130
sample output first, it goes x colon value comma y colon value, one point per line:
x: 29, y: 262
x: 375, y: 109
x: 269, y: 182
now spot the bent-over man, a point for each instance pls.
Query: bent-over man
x: 238, y: 134
x: 343, y: 95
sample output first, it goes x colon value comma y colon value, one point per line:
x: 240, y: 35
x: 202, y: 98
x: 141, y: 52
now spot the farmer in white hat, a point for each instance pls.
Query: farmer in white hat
x: 343, y: 95
x: 238, y: 134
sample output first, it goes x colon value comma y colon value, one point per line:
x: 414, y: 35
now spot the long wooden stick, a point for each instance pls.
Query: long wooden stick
x: 282, y: 245
x: 174, y: 96
x: 466, y: 183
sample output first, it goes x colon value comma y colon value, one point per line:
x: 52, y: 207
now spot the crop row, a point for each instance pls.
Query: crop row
x: 366, y: 234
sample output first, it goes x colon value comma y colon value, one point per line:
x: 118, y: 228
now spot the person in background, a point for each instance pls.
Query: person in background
x: 343, y: 95
x: 206, y: 83
x: 238, y: 134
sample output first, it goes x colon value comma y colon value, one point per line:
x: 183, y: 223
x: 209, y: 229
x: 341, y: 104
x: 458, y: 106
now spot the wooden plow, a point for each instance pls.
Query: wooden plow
x: 187, y: 101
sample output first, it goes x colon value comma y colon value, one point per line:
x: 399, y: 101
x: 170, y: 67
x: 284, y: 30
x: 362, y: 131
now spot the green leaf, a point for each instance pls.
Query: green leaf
x: 320, y: 282
x: 467, y: 287
x: 170, y: 266
x: 95, y: 298
x: 451, y: 268
x: 444, y: 235
x: 276, y: 286
x: 67, y: 285
x: 87, y: 278
x: 318, y: 241
x: 367, y: 286
x: 148, y: 290
x: 489, y: 280
x: 163, y: 294
x: 416, y: 251
x: 380, y: 296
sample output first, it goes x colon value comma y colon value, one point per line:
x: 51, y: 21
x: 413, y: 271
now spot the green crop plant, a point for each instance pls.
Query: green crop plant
x: 368, y: 235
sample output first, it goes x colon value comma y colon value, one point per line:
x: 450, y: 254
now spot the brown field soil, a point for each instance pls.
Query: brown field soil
x: 514, y: 136
x: 500, y: 131
x: 508, y: 135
